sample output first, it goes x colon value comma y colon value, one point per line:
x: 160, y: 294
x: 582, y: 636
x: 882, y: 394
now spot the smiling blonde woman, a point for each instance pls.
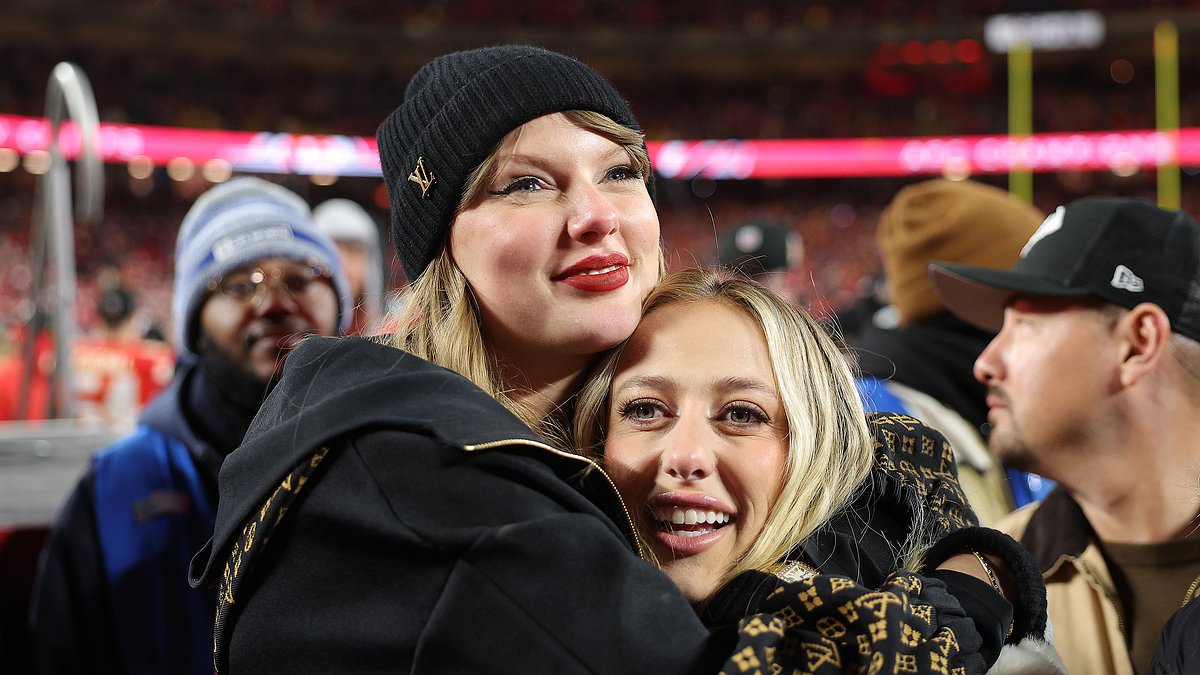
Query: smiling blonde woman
x: 731, y: 426
x: 404, y: 507
x: 701, y: 331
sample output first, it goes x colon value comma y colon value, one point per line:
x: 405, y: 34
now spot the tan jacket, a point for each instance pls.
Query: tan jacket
x: 1085, y: 612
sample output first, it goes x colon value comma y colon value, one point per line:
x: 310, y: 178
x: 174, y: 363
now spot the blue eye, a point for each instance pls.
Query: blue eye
x: 522, y: 184
x: 618, y: 173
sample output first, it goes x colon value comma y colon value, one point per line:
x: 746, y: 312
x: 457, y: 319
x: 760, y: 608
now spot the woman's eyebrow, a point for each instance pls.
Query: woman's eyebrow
x: 617, y: 151
x: 522, y: 160
x: 548, y: 163
x: 657, y: 382
x: 743, y: 383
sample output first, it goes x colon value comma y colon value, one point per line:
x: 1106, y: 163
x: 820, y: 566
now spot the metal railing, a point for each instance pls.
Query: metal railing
x: 68, y: 96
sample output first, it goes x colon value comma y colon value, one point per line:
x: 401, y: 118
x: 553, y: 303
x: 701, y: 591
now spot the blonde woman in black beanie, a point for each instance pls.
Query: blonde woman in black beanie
x: 408, y: 507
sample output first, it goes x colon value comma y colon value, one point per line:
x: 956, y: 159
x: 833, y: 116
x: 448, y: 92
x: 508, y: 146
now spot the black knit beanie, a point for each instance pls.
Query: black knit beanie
x: 456, y: 109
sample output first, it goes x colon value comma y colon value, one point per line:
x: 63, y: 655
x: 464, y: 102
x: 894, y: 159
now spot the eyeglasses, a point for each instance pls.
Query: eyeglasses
x: 247, y: 285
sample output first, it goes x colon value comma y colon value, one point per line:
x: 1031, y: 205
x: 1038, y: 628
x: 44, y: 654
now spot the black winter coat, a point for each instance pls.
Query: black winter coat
x: 385, y: 515
x: 1179, y: 645
x: 72, y: 618
x: 442, y: 536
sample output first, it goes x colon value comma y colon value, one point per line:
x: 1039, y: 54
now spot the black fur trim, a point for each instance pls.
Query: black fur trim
x: 1029, y: 615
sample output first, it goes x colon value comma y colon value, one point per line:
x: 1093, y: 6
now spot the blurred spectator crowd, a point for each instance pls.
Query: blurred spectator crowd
x: 835, y: 219
x: 754, y: 16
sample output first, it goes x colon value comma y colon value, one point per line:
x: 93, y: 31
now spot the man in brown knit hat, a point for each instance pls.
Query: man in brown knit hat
x: 922, y: 365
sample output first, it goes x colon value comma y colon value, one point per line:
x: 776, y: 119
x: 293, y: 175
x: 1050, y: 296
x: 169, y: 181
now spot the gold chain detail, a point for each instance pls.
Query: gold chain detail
x: 1191, y: 592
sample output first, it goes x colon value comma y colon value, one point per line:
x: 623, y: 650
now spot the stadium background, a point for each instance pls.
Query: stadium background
x: 692, y: 69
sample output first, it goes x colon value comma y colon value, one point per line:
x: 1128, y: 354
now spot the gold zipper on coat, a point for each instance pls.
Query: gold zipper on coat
x: 525, y: 441
x: 1191, y: 592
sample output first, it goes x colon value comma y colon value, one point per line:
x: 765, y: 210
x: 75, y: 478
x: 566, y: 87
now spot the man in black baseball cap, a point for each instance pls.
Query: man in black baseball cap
x: 1094, y: 381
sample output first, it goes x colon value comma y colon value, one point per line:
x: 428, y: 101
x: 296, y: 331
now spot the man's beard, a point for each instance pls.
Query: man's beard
x: 1010, y: 447
x: 236, y: 384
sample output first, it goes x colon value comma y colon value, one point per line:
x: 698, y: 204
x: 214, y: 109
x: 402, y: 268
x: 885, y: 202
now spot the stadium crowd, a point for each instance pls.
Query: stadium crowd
x: 1051, y: 348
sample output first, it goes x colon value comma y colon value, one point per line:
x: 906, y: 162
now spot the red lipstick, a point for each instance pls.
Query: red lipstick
x: 597, y: 273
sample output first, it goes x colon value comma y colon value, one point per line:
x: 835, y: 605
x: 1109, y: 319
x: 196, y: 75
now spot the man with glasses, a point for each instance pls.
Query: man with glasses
x: 253, y: 278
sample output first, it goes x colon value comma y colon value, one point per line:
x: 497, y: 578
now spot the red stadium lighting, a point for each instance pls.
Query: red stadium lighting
x: 940, y: 51
x: 888, y: 54
x: 182, y: 150
x: 968, y: 51
x: 913, y: 53
x: 380, y: 197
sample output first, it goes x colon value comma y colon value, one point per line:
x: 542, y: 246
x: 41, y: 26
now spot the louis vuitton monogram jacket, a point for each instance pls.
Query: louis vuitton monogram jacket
x: 385, y: 515
x: 913, y: 488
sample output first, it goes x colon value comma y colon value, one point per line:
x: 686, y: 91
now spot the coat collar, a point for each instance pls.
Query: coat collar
x: 172, y: 412
x: 1057, y: 528
x: 336, y: 386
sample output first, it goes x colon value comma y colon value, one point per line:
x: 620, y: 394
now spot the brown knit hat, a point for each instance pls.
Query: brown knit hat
x: 954, y: 221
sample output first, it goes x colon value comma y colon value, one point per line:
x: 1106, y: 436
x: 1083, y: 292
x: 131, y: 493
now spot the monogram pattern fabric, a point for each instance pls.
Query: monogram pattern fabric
x: 253, y: 539
x: 829, y: 625
x: 921, y: 461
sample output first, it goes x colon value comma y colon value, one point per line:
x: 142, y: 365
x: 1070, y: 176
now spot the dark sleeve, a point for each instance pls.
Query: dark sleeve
x: 430, y: 559
x: 546, y: 582
x: 990, y: 612
x: 1179, y: 645
x: 561, y: 594
x: 1029, y: 613
x: 70, y: 619
x: 913, y: 490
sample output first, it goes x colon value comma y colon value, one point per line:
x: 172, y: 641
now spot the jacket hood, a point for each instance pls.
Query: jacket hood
x: 169, y: 414
x: 332, y: 386
x: 935, y: 356
x: 164, y: 413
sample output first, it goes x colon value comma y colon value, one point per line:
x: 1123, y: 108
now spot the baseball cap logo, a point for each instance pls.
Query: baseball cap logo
x: 1126, y: 280
x: 1053, y: 223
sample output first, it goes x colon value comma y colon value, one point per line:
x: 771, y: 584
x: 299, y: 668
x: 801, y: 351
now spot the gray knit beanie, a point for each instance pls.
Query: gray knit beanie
x: 456, y: 109
x: 234, y: 224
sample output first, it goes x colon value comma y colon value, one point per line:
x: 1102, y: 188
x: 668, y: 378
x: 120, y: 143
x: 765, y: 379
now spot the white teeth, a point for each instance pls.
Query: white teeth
x: 680, y: 516
x: 605, y: 270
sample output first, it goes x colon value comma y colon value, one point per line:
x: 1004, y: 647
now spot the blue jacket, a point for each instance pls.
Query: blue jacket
x: 112, y: 594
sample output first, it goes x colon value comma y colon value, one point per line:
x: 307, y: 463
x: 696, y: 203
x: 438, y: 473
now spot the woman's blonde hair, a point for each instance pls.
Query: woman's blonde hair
x: 830, y: 447
x: 440, y: 322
